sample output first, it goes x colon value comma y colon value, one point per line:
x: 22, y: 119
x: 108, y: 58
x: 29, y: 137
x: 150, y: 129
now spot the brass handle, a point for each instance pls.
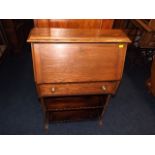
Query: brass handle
x: 53, y: 89
x: 104, y: 88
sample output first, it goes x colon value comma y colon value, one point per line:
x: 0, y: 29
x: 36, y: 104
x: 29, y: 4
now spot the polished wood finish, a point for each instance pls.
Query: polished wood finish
x: 77, y: 88
x: 84, y: 59
x: 77, y: 70
x: 74, y: 23
x: 77, y: 35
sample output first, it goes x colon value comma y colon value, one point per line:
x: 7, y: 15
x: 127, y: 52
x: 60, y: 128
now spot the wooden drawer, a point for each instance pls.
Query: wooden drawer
x: 77, y: 89
x: 78, y: 62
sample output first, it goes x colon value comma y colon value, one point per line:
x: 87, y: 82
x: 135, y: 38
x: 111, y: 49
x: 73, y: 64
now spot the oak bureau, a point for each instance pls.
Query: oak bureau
x: 76, y: 70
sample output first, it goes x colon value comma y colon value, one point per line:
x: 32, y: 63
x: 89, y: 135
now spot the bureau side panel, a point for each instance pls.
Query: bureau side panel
x: 121, y: 60
x: 36, y: 64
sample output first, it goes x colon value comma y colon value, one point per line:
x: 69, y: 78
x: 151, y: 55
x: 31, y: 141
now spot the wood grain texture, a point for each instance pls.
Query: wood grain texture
x: 74, y: 23
x: 60, y: 63
x: 121, y: 59
x: 73, y: 102
x: 70, y: 64
x: 77, y: 89
x: 54, y: 35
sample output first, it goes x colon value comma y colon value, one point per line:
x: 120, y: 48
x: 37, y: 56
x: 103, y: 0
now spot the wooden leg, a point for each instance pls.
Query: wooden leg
x: 46, y: 122
x: 43, y: 106
x: 104, y: 110
x: 46, y: 115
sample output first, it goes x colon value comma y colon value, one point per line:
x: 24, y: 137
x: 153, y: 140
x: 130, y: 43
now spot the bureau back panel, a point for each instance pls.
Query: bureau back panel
x: 77, y: 62
x: 75, y: 23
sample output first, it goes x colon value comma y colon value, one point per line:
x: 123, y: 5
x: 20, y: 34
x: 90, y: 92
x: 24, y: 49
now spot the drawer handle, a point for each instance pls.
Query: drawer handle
x: 53, y: 90
x: 103, y: 88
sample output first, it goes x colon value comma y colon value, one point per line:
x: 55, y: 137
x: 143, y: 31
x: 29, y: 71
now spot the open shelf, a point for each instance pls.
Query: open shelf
x: 74, y: 108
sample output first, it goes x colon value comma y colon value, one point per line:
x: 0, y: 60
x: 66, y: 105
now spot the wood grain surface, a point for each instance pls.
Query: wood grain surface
x: 74, y: 23
x: 76, y: 35
x: 60, y: 63
x: 69, y: 89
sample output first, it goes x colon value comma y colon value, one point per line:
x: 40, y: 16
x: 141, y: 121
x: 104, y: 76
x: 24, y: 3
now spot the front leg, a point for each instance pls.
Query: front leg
x: 105, y: 107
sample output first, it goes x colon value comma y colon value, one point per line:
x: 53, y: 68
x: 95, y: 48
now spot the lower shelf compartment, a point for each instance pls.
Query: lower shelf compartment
x: 74, y: 108
x: 74, y: 115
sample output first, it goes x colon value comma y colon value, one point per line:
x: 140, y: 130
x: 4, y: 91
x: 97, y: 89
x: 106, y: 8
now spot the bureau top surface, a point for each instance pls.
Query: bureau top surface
x: 77, y: 35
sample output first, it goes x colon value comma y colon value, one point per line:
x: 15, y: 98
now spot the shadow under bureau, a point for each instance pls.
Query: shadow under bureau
x: 76, y: 70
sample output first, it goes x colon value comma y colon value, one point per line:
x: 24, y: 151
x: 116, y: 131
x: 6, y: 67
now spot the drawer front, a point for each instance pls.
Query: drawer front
x: 75, y: 62
x: 77, y: 89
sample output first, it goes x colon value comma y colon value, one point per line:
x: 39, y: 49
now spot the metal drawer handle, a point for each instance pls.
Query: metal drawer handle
x: 53, y: 89
x: 103, y: 88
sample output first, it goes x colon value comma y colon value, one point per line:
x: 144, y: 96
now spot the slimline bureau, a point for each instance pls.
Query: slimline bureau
x: 76, y: 70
